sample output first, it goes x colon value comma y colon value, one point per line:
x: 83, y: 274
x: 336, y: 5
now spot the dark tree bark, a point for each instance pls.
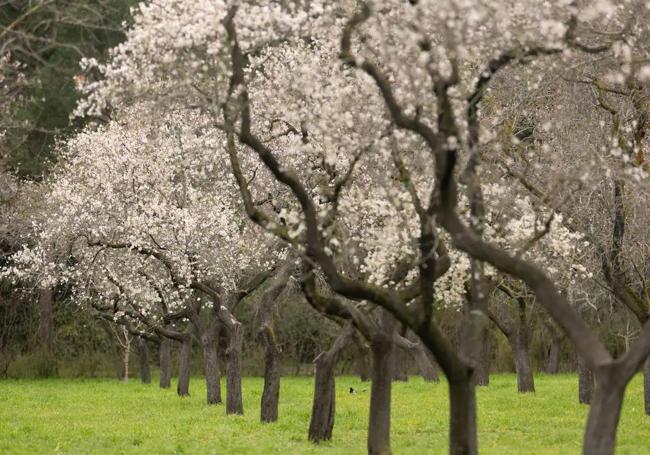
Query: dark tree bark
x: 321, y: 423
x: 398, y: 364
x: 585, y: 382
x: 462, y: 425
x: 478, y: 352
x: 234, y: 400
x: 235, y: 330
x: 118, y: 363
x: 266, y: 335
x: 361, y: 357
x: 165, y: 361
x: 143, y: 357
x: 398, y: 359
x: 552, y: 365
x: 604, y: 414
x: 517, y: 332
x: 209, y: 340
x: 207, y: 327
x: 323, y: 407
x: 383, y: 349
x: 482, y: 373
x: 185, y: 356
x: 271, y: 392
x: 423, y: 358
x: 47, y: 361
x: 521, y: 358
x: 426, y: 364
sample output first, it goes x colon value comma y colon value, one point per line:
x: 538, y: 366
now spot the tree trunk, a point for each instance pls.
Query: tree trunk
x: 211, y: 368
x: 427, y: 368
x: 117, y: 352
x: 462, y: 391
x: 521, y: 358
x: 143, y: 356
x: 646, y: 386
x: 118, y: 360
x: 323, y: 407
x: 585, y: 382
x: 322, y: 412
x: 47, y: 362
x: 604, y: 413
x: 126, y: 356
x: 266, y: 336
x: 482, y: 373
x: 478, y: 349
x: 475, y: 339
x: 398, y: 364
x: 271, y: 392
x: 380, y: 396
x: 361, y: 358
x: 185, y: 357
x: 165, y: 363
x: 234, y: 401
x: 462, y: 425
x: 552, y: 365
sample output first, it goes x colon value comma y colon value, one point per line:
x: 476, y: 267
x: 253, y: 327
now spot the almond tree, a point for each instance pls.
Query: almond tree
x: 606, y: 181
x: 117, y: 202
x: 444, y: 145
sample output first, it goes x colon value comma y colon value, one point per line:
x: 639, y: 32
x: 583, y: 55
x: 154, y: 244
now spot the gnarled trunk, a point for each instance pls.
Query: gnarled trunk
x: 211, y: 366
x: 521, y: 358
x: 604, y: 414
x: 398, y: 364
x: 185, y: 356
x: 361, y: 358
x: 517, y: 332
x: 234, y: 400
x: 476, y: 344
x: 462, y: 386
x: 143, y: 356
x: 380, y: 396
x: 552, y: 365
x: 422, y: 356
x: 426, y: 364
x: 266, y: 335
x: 585, y: 382
x: 271, y: 392
x: 165, y: 363
x: 323, y: 407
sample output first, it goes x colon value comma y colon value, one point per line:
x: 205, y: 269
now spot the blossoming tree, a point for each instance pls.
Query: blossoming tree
x: 346, y: 128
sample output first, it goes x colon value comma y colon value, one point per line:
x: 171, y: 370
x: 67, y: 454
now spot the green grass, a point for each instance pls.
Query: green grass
x: 105, y: 416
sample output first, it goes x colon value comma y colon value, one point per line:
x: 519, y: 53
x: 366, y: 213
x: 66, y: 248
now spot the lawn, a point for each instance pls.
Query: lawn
x: 105, y: 416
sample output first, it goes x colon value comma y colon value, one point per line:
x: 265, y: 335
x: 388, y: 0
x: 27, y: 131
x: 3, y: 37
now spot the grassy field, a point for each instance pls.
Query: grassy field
x: 105, y: 416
